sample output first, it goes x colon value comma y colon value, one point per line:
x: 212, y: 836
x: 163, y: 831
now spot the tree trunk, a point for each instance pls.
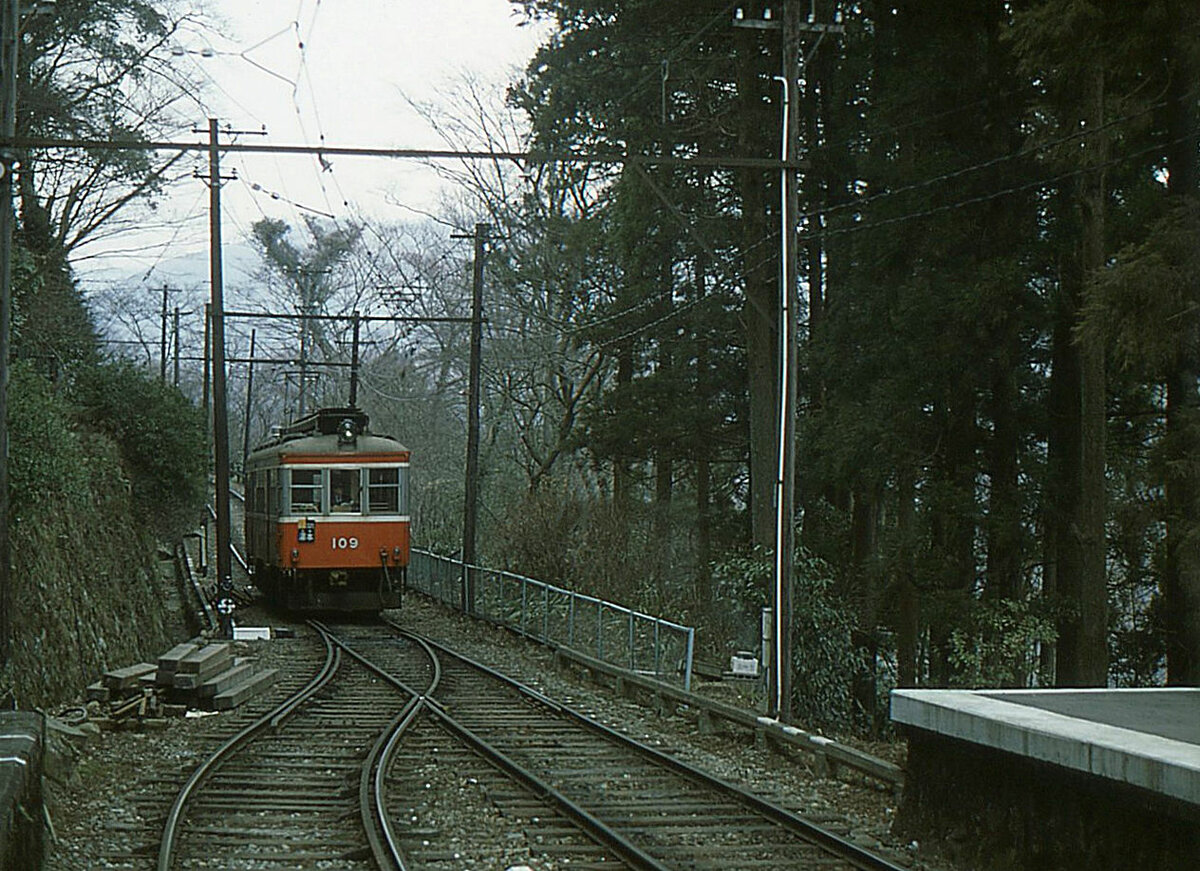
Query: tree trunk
x: 864, y: 544
x: 1004, y: 500
x: 1060, y: 570
x: 953, y: 524
x: 665, y: 451
x: 1082, y: 650
x: 760, y: 313
x: 703, y: 465
x: 621, y: 474
x: 1181, y: 582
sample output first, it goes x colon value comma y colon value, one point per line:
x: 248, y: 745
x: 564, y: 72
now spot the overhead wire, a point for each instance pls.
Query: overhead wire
x: 170, y: 243
x: 303, y: 72
x: 256, y: 188
x: 953, y: 175
x: 857, y: 204
x: 993, y: 195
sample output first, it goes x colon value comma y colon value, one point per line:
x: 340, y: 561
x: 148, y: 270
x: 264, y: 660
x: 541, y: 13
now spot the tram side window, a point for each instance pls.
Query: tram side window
x: 345, y: 490
x: 306, y: 490
x: 384, y: 489
x: 257, y: 491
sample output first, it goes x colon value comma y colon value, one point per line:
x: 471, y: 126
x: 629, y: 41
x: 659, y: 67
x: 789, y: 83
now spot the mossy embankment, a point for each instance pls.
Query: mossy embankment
x: 93, y: 489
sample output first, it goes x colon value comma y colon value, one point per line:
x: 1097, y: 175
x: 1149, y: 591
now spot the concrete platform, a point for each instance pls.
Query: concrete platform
x: 1148, y: 738
x: 1054, y: 780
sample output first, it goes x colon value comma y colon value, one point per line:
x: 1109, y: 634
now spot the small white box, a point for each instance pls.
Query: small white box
x: 251, y: 633
x: 744, y: 665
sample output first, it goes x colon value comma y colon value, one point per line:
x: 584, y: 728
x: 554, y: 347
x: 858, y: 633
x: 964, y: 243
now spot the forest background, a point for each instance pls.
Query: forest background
x: 1000, y: 326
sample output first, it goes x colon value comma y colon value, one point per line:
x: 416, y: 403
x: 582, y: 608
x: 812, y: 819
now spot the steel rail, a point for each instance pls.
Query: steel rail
x: 372, y: 791
x: 271, y: 719
x: 790, y: 821
x: 384, y: 673
x: 372, y: 795
x: 593, y: 826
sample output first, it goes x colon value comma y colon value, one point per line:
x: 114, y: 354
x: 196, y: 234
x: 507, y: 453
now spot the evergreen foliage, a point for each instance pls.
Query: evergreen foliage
x: 1001, y: 358
x: 822, y: 633
x: 162, y: 441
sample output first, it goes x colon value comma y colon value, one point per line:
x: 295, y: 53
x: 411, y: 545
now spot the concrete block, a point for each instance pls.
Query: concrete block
x: 1148, y: 738
x: 22, y: 836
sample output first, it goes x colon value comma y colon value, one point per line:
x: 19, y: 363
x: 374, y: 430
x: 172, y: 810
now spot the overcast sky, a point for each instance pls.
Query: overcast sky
x: 344, y: 70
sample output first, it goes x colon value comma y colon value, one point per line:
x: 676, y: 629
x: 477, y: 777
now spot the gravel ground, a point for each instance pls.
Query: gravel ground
x: 109, y: 789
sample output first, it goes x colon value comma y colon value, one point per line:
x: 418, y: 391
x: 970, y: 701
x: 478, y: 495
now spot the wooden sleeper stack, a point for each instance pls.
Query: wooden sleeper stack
x: 208, y: 676
x: 194, y: 674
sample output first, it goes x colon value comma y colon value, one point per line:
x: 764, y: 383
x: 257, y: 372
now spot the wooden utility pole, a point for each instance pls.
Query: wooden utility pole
x: 354, y: 363
x: 175, y: 339
x: 220, y: 406
x: 249, y: 398
x: 790, y: 26
x: 204, y: 403
x: 471, y: 489
x: 162, y: 345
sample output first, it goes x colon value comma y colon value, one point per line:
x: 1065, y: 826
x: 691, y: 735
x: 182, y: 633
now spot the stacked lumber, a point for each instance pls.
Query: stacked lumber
x: 209, y: 676
x: 193, y: 675
x: 123, y: 692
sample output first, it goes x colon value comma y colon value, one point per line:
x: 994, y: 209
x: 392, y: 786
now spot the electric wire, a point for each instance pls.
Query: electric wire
x: 1034, y: 184
x: 256, y: 189
x: 863, y: 203
x: 953, y: 175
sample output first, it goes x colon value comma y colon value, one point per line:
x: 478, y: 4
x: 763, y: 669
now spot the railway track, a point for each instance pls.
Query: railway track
x: 292, y: 789
x: 400, y: 754
x: 650, y: 809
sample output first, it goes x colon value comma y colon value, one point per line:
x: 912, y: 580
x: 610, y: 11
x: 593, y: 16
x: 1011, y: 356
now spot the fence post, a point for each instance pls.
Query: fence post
x: 657, y: 652
x: 632, y: 653
x: 687, y: 669
x: 571, y: 622
x: 599, y: 630
x: 524, y: 598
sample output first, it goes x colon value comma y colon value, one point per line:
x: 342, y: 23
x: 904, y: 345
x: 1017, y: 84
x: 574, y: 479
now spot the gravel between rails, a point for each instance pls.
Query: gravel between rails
x: 105, y: 815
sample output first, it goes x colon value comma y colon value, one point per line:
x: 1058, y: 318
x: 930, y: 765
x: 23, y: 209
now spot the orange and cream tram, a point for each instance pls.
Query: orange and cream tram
x: 327, y: 523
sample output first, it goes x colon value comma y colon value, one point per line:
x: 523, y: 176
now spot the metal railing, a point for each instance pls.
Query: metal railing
x: 604, y: 630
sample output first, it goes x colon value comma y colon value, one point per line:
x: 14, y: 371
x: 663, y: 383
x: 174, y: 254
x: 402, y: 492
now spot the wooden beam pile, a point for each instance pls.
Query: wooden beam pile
x: 192, y: 675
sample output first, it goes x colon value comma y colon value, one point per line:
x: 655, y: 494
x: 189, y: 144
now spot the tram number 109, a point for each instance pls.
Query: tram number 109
x: 343, y: 543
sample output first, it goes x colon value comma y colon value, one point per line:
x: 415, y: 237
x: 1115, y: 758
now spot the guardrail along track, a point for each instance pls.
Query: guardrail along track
x: 651, y: 809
